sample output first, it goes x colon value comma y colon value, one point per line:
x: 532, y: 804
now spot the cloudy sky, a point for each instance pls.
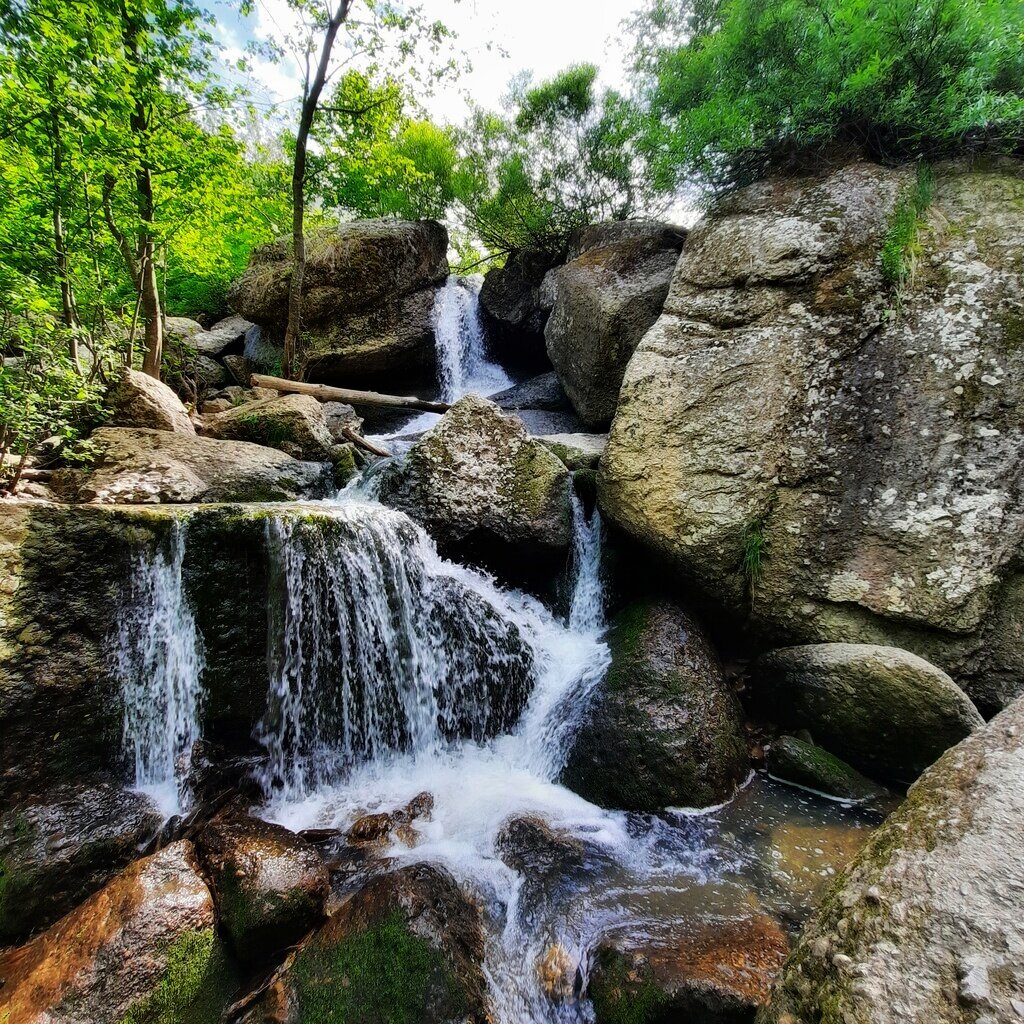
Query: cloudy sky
x: 542, y: 36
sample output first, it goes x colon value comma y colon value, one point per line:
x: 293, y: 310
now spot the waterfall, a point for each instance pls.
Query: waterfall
x: 586, y: 607
x: 379, y: 646
x: 159, y: 661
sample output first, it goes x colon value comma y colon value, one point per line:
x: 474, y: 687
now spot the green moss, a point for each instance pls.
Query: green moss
x: 195, y: 988
x: 383, y: 974
x: 621, y: 998
x: 266, y: 430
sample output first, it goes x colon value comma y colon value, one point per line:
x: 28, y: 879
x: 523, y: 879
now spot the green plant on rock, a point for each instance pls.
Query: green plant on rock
x: 754, y: 553
x: 901, y: 246
x: 266, y: 431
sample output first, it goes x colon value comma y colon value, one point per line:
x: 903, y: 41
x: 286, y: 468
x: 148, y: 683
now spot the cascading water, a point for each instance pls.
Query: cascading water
x: 159, y: 662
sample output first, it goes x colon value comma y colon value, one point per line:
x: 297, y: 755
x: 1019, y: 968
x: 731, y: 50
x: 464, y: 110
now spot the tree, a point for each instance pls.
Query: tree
x: 738, y: 88
x: 562, y: 155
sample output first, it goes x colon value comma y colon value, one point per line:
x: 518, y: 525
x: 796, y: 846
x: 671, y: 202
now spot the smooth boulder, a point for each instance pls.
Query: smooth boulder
x: 925, y: 925
x: 665, y: 711
x: 605, y: 300
x: 828, y: 453
x: 478, y: 483
x: 156, y: 467
x: 886, y: 711
x: 136, y: 399
x: 804, y: 764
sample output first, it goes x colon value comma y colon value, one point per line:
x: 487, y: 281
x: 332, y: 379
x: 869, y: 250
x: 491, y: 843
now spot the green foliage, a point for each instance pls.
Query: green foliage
x: 900, y: 247
x: 737, y: 88
x: 195, y: 988
x: 266, y: 430
x: 383, y: 974
x: 754, y: 544
x: 560, y: 156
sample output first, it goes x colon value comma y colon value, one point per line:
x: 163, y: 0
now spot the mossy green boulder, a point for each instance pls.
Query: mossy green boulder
x: 664, y: 730
x: 793, y: 760
x: 295, y: 424
x: 885, y: 710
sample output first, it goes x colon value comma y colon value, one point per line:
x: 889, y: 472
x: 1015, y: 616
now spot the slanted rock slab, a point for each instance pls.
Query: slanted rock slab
x: 138, y: 400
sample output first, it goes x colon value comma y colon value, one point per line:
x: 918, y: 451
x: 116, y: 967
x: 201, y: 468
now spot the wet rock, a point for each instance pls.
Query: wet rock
x: 886, y: 711
x: 142, y: 949
x: 406, y: 947
x: 577, y: 451
x: 557, y: 973
x: 794, y: 760
x: 295, y: 424
x: 155, y: 467
x: 529, y: 845
x: 58, y: 850
x: 665, y: 710
x: 271, y: 886
x: 543, y: 393
x: 136, y: 399
x: 376, y: 829
x: 718, y: 974
x: 921, y: 926
x: 478, y: 482
x: 605, y: 300
x: 370, y: 828
x: 513, y: 307
x: 779, y: 404
x: 368, y: 294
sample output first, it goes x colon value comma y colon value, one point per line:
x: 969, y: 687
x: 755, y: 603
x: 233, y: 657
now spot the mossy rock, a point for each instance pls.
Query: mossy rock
x: 794, y: 760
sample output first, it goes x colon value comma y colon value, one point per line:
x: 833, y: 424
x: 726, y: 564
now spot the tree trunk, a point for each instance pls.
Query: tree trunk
x: 328, y: 393
x: 149, y: 292
x: 310, y: 100
x: 67, y: 296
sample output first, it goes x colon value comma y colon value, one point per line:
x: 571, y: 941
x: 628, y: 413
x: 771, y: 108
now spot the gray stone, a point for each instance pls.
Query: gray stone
x: 541, y: 392
x: 220, y: 337
x: 295, y: 424
x: 179, y: 328
x: 136, y: 399
x: 340, y: 417
x: 925, y: 924
x: 866, y: 444
x: 577, y: 451
x: 605, y: 300
x: 886, y: 711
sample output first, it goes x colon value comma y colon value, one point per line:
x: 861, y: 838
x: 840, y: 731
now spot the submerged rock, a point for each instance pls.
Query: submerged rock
x: 605, y: 300
x: 665, y: 711
x: 886, y: 711
x: 295, y: 424
x: 796, y: 429
x: 143, y: 949
x: 154, y: 467
x: 61, y: 848
x: 406, y: 947
x: 368, y: 294
x: 804, y: 764
x: 718, y: 974
x: 271, y: 885
x: 136, y: 399
x: 477, y: 482
x: 926, y: 925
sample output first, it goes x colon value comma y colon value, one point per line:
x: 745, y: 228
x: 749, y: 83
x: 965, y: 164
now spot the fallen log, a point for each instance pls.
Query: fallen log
x: 360, y: 442
x: 326, y: 393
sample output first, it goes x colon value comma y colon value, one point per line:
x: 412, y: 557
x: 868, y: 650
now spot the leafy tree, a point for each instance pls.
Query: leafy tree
x: 736, y: 88
x: 560, y: 156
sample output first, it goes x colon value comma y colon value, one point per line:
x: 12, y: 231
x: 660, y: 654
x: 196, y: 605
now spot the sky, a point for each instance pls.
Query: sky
x: 542, y: 36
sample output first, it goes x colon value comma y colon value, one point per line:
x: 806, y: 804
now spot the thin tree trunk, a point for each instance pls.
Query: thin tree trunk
x: 310, y: 100
x: 67, y: 296
x: 149, y: 290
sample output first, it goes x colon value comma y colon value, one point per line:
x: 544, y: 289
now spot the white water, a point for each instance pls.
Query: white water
x: 159, y: 661
x: 462, y: 364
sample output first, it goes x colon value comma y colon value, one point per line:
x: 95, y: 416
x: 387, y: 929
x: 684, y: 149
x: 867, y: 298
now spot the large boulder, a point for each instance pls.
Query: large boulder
x: 664, y: 709
x: 271, y: 885
x: 605, y: 300
x: 478, y: 483
x: 886, y: 711
x: 61, y: 848
x: 368, y: 294
x: 142, y: 949
x: 513, y: 307
x: 155, y: 467
x: 136, y: 399
x: 716, y: 974
x: 407, y: 946
x: 926, y: 924
x: 295, y: 424
x: 797, y: 434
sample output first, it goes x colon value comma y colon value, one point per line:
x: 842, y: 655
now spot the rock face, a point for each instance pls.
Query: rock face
x: 138, y: 400
x: 866, y: 442
x: 157, y: 467
x: 60, y: 849
x: 925, y: 925
x: 368, y: 296
x: 884, y: 710
x: 477, y: 482
x: 719, y: 975
x: 405, y: 947
x: 271, y: 885
x: 605, y: 300
x: 142, y: 949
x: 514, y: 309
x: 665, y: 711
x: 295, y: 424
